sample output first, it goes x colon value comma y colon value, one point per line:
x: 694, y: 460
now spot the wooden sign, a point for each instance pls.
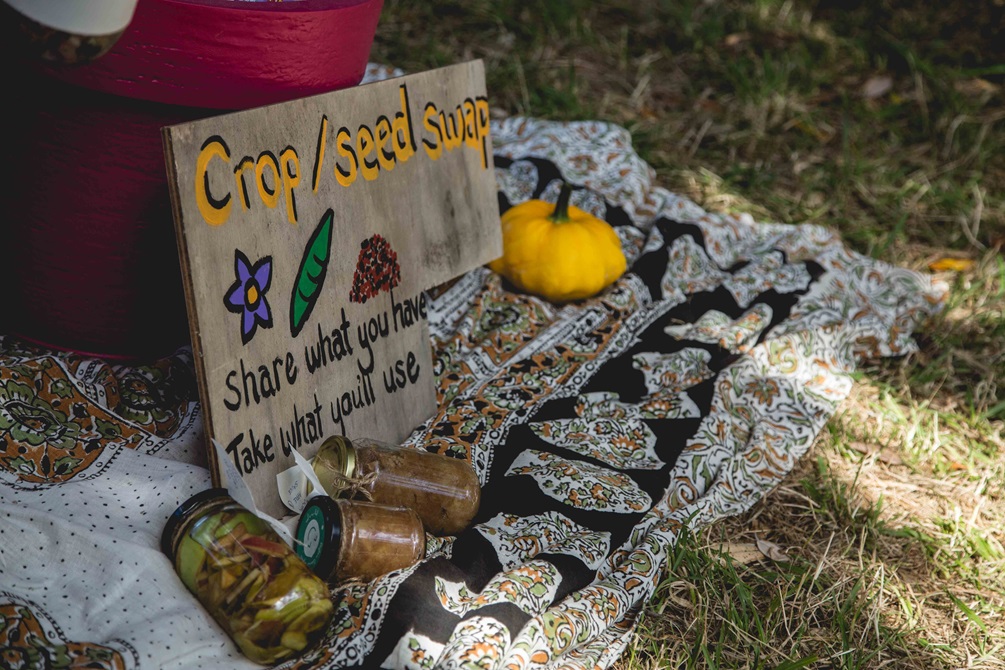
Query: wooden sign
x: 308, y: 231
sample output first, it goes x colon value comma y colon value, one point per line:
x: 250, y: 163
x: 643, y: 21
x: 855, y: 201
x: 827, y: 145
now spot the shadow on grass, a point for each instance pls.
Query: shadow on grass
x: 867, y: 583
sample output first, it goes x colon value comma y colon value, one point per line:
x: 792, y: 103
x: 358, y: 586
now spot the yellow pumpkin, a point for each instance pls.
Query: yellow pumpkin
x: 558, y: 252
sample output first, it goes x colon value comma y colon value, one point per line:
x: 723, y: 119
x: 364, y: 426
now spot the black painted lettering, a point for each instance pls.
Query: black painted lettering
x: 234, y: 405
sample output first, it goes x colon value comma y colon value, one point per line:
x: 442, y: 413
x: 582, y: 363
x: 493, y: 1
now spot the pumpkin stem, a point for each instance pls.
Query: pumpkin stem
x: 561, y: 213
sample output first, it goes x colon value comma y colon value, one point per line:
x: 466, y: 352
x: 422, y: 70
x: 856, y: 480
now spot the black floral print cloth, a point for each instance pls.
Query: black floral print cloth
x: 599, y: 430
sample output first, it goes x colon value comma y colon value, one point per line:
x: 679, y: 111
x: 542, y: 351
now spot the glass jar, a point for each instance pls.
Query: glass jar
x: 443, y: 491
x: 347, y: 539
x: 251, y: 582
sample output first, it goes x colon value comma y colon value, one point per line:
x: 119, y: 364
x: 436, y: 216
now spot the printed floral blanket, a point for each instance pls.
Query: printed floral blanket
x: 599, y: 430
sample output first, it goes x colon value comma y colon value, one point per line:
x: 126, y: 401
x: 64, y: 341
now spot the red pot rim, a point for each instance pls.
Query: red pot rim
x: 232, y: 55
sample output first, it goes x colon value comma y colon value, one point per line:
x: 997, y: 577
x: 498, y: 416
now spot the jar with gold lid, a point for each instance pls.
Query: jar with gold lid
x: 249, y: 580
x: 443, y: 491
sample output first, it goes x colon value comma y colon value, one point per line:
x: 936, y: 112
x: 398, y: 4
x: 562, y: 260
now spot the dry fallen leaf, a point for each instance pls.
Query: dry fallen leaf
x: 975, y: 87
x: 890, y: 457
x: 887, y: 456
x: 877, y: 86
x: 951, y: 265
x: 669, y: 594
x: 735, y: 39
x: 743, y: 552
x: 771, y: 550
x: 823, y: 132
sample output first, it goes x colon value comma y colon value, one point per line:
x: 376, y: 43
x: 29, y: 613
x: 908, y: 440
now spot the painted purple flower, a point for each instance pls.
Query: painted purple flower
x: 246, y: 296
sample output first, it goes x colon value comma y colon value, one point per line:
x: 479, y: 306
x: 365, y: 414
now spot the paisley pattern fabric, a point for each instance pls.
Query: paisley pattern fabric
x: 599, y: 430
x: 32, y: 640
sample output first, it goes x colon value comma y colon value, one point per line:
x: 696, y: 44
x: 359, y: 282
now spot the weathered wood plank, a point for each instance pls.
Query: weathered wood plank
x: 307, y: 233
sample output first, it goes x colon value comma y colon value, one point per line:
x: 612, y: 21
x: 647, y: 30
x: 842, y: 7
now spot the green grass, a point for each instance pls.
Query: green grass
x: 895, y: 523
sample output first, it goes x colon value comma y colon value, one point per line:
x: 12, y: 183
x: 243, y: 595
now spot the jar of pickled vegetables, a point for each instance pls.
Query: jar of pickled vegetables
x: 443, y: 491
x: 346, y: 539
x: 252, y: 583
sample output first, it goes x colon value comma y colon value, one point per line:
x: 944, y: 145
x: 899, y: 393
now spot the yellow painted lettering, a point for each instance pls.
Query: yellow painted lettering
x: 429, y: 122
x: 364, y: 147
x: 383, y: 130
x: 453, y: 126
x: 246, y: 164
x: 343, y: 144
x: 482, y: 105
x: 404, y: 140
x: 268, y: 193
x: 214, y: 211
x: 470, y: 124
x: 289, y: 161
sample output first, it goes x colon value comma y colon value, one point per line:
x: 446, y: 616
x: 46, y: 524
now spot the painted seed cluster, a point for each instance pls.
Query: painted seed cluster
x: 376, y: 270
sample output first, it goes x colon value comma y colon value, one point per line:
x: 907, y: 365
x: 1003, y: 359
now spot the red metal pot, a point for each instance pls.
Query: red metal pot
x: 91, y: 262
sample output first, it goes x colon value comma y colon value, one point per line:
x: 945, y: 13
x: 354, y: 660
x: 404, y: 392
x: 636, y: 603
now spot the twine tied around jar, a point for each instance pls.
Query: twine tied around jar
x: 354, y: 487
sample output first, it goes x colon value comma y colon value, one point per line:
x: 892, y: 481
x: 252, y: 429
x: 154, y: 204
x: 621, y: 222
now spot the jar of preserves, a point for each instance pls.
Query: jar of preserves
x: 251, y: 582
x: 346, y: 539
x: 443, y: 491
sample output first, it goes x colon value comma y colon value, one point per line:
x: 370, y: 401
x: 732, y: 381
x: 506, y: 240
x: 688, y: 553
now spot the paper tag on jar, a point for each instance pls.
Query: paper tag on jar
x: 298, y: 484
x: 239, y: 491
x: 292, y: 484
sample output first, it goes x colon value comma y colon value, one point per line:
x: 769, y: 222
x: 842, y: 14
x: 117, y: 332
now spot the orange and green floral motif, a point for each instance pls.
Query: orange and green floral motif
x: 351, y: 602
x: 621, y: 443
x: 674, y: 372
x: 531, y: 587
x: 764, y: 389
x: 715, y: 327
x: 14, y: 350
x: 580, y: 484
x: 517, y: 539
x: 566, y: 628
x: 28, y: 645
x: 155, y: 396
x: 506, y: 322
x: 477, y: 642
x: 33, y: 420
x: 419, y: 656
x: 50, y: 431
x: 501, y: 323
x: 659, y: 405
x: 414, y: 651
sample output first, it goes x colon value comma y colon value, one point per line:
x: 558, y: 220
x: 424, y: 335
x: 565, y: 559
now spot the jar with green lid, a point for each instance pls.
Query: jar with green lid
x: 251, y: 582
x: 443, y: 491
x: 352, y: 539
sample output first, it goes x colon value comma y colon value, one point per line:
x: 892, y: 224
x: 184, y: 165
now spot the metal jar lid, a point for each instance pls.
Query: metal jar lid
x: 179, y: 519
x: 336, y: 453
x: 319, y: 535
